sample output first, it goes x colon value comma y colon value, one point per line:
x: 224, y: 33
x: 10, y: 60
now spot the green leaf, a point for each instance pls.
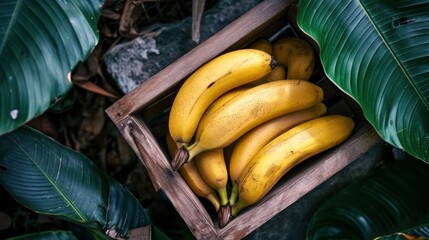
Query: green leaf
x: 378, y: 52
x: 51, y: 235
x: 49, y: 178
x: 157, y: 234
x: 414, y: 234
x: 41, y: 41
x: 394, y: 200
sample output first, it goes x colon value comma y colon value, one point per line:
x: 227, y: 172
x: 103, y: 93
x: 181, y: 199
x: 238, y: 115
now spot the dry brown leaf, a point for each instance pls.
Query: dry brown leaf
x: 5, y: 221
x: 129, y: 17
x: 93, y: 121
x: 80, y: 73
x: 87, y: 72
x: 110, y: 14
x: 197, y: 13
x: 92, y: 87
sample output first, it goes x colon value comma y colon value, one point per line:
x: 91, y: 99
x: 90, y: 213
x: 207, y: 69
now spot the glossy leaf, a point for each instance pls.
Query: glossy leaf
x: 405, y: 236
x: 378, y: 52
x: 51, y: 235
x: 52, y: 179
x: 41, y: 41
x: 394, y: 200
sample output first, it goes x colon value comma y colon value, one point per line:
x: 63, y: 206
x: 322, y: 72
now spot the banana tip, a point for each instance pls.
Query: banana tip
x: 180, y: 157
x: 224, y: 215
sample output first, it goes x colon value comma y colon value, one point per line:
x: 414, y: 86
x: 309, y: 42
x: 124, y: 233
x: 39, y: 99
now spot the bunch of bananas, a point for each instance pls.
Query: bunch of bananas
x: 244, y: 101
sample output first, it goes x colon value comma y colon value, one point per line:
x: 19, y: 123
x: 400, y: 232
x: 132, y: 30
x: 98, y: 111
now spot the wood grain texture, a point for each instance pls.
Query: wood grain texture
x: 300, y: 181
x: 162, y: 175
x: 240, y: 31
x: 133, y: 115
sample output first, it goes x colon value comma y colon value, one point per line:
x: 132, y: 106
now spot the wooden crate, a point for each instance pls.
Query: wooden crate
x: 142, y: 116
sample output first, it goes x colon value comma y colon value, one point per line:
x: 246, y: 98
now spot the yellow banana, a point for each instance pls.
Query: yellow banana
x: 247, y: 110
x: 296, y: 55
x: 260, y: 81
x: 224, y: 98
x: 284, y: 152
x: 278, y: 73
x: 211, y: 164
x: 193, y: 178
x: 250, y: 143
x: 265, y: 45
x: 262, y: 44
x: 213, y: 170
x: 210, y: 81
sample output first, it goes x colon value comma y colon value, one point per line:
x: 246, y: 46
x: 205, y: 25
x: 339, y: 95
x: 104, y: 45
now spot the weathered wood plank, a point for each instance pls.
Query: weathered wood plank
x: 300, y: 181
x: 259, y: 19
x: 178, y: 192
x: 132, y: 112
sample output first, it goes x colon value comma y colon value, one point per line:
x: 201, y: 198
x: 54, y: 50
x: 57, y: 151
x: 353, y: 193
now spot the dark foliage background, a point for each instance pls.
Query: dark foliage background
x: 79, y: 121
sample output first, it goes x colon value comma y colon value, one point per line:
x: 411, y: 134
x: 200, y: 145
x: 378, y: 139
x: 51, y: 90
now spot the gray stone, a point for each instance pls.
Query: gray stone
x: 131, y: 63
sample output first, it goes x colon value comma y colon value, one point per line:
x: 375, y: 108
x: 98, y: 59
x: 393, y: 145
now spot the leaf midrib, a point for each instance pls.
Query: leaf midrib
x: 395, y: 57
x: 8, y: 29
x: 62, y: 194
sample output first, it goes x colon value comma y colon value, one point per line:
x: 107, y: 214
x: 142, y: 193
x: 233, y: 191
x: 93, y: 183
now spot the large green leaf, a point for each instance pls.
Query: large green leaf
x: 41, y: 41
x: 378, y: 52
x: 51, y: 235
x: 393, y: 200
x: 52, y: 179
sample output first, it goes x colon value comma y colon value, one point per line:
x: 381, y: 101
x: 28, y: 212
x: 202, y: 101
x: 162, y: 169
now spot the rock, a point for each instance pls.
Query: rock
x: 131, y: 63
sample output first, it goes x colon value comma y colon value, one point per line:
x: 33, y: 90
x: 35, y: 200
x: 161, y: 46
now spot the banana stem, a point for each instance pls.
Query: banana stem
x: 224, y: 215
x: 223, y: 196
x: 234, y: 194
x: 237, y: 207
x: 194, y: 150
x: 185, y: 154
x: 180, y: 157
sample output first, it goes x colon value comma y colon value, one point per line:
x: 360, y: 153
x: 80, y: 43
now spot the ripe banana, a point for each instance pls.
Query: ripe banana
x: 278, y: 73
x: 193, y: 178
x: 250, y: 143
x: 284, y: 152
x: 211, y: 164
x: 296, y: 55
x: 213, y: 170
x: 225, y: 98
x: 210, y: 81
x: 262, y: 44
x: 247, y: 110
